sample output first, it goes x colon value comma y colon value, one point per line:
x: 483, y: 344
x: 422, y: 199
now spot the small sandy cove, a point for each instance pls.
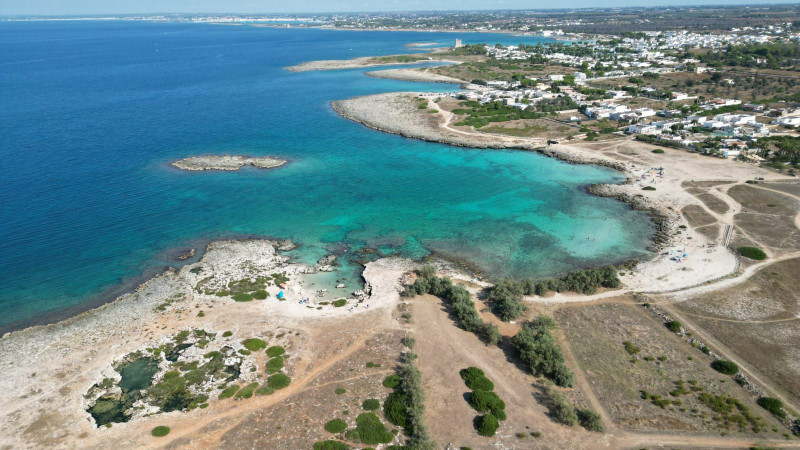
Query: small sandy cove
x: 706, y: 258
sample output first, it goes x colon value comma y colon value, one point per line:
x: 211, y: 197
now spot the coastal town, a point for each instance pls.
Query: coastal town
x: 655, y: 87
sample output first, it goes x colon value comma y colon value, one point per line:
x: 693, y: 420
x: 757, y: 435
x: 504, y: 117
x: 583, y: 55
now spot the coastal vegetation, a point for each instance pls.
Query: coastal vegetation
x: 405, y: 406
x: 459, y: 300
x: 483, y: 400
x: 160, y: 431
x: 581, y: 281
x: 538, y: 350
x: 479, y: 115
x: 506, y: 299
x: 753, y: 253
x: 725, y: 366
x: 335, y: 426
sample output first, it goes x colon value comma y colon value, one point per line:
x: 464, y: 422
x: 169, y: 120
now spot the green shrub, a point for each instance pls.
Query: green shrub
x: 265, y: 390
x: 773, y: 405
x: 506, y: 300
x: 242, y: 297
x: 371, y: 431
x: 372, y: 365
x: 274, y: 365
x: 725, y: 366
x: 752, y: 253
x: 560, y: 408
x: 275, y: 350
x: 590, y: 420
x: 630, y: 348
x: 371, y: 404
x: 485, y: 401
x: 537, y: 348
x: 475, y: 379
x: 260, y: 295
x: 254, y: 344
x: 228, y: 392
x: 339, y: 303
x: 336, y: 426
x: 278, y: 381
x: 658, y: 150
x: 649, y: 188
x: 674, y: 326
x: 331, y: 445
x: 394, y: 408
x: 247, y: 391
x: 227, y: 334
x: 392, y: 381
x: 160, y: 431
x: 487, y: 425
x: 340, y: 390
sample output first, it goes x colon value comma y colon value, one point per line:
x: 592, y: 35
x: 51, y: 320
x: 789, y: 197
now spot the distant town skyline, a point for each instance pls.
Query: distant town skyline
x: 95, y: 7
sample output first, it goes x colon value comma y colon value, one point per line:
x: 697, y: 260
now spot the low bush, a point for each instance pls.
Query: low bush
x: 630, y: 348
x: 335, y: 426
x: 475, y: 379
x: 331, y: 445
x: 340, y: 390
x: 752, y: 253
x: 371, y: 404
x: 260, y: 295
x: 275, y: 350
x: 370, y: 430
x: 674, y: 326
x: 560, y: 408
x: 487, y: 425
x: 265, y: 390
x: 254, y: 344
x: 658, y: 150
x: 649, y: 188
x: 247, y: 391
x: 274, y: 365
x: 227, y: 334
x: 486, y: 401
x: 394, y: 408
x: 772, y: 405
x: 725, y: 366
x: 590, y: 420
x: 339, y: 303
x: 278, y: 381
x: 160, y: 431
x: 228, y: 392
x: 392, y: 381
x: 242, y: 297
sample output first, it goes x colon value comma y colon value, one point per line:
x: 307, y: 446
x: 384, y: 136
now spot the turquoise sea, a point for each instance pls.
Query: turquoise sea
x: 91, y: 114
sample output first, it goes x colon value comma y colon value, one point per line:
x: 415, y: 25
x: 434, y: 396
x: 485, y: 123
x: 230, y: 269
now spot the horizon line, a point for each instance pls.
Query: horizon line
x: 686, y: 6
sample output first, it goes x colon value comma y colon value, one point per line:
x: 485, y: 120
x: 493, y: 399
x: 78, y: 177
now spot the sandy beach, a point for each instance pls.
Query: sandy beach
x: 423, y: 75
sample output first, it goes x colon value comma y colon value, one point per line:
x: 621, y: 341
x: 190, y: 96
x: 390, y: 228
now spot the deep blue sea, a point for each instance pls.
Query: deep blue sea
x: 92, y: 113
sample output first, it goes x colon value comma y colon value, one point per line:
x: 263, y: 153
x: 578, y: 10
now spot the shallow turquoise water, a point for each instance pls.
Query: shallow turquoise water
x: 94, y: 112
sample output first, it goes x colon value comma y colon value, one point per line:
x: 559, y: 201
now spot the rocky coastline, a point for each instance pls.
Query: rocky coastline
x: 226, y: 162
x: 414, y: 75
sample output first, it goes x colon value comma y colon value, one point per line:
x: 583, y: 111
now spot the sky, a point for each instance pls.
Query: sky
x: 87, y: 7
